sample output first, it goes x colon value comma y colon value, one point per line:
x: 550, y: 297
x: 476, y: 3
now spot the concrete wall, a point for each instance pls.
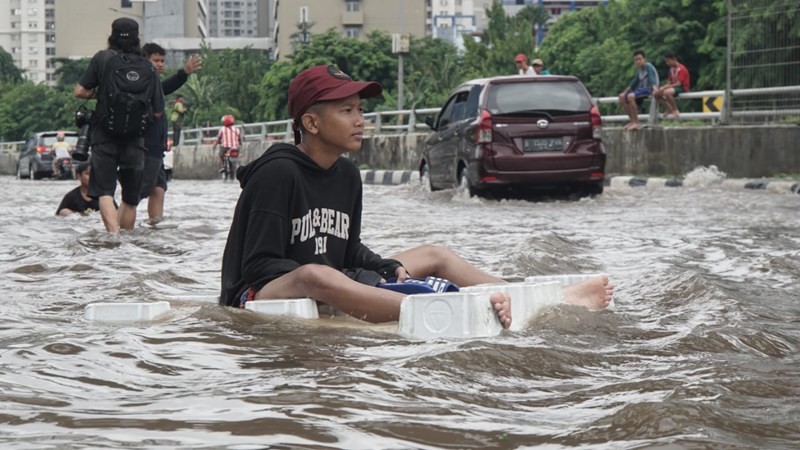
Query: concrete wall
x: 740, y: 152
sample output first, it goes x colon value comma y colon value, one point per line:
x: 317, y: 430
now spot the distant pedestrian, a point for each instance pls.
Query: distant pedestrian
x: 538, y: 67
x: 128, y: 98
x: 176, y: 117
x: 677, y: 84
x: 644, y: 84
x: 522, y: 65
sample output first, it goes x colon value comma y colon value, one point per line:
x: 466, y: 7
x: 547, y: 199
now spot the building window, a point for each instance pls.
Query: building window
x: 352, y: 32
x: 126, y: 4
x: 50, y: 51
x: 33, y: 63
x: 50, y: 38
x: 33, y: 11
x: 50, y: 25
x: 16, y: 12
x: 352, y: 5
x: 32, y: 24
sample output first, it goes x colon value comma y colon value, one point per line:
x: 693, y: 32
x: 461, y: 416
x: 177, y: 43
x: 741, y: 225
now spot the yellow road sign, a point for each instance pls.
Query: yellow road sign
x: 712, y: 104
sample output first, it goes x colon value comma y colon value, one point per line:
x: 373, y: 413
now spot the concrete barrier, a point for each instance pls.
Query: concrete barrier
x: 670, y: 152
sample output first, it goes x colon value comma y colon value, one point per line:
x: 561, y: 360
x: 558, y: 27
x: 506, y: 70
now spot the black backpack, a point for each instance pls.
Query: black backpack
x: 126, y: 93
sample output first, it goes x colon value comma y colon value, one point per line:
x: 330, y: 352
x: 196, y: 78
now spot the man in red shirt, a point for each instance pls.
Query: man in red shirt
x: 229, y: 139
x: 677, y: 83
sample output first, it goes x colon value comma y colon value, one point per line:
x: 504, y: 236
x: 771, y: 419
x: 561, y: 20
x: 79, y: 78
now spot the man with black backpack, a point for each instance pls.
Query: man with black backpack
x: 129, y: 97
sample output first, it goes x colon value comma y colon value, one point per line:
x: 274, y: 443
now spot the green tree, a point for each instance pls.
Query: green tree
x: 26, y: 108
x: 9, y: 73
x: 69, y: 71
x: 362, y: 60
x: 233, y: 74
x: 502, y: 39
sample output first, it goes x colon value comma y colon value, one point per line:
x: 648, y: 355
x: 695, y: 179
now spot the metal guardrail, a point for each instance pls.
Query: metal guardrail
x: 412, y: 120
x: 10, y: 147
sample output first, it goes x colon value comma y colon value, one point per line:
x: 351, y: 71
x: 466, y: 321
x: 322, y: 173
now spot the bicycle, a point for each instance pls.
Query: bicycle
x: 229, y: 165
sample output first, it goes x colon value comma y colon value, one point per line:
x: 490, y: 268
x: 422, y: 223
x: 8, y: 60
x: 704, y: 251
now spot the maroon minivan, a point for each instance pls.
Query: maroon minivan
x: 516, y: 134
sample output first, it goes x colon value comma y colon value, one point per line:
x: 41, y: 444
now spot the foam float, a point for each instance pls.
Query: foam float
x: 450, y: 315
x: 125, y: 312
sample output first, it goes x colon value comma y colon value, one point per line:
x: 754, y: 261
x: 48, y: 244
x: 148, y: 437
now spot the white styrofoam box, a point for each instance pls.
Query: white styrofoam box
x: 125, y: 312
x: 565, y: 280
x: 304, y: 308
x: 448, y: 315
x: 527, y: 299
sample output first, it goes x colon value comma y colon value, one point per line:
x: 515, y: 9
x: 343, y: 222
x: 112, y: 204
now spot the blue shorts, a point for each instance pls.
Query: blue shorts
x: 640, y: 93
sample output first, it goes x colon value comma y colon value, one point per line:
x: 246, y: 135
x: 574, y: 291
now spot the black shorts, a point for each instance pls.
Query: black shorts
x: 154, y: 175
x: 117, y: 160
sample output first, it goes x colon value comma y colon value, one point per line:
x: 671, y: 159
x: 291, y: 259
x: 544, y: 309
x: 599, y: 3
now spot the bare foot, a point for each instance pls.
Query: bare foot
x: 594, y: 293
x: 502, y: 304
x: 633, y: 126
x: 627, y: 125
x: 676, y: 114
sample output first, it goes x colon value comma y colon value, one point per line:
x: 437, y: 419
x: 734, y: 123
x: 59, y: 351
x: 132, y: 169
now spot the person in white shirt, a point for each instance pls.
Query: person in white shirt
x: 61, y: 150
x: 522, y: 65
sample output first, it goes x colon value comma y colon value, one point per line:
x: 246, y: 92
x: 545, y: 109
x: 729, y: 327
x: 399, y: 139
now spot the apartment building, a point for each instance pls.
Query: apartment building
x: 28, y: 33
x: 353, y: 18
x: 449, y: 20
x: 240, y: 18
x: 175, y: 19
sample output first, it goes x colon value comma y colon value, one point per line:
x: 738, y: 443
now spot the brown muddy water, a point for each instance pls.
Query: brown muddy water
x: 700, y: 350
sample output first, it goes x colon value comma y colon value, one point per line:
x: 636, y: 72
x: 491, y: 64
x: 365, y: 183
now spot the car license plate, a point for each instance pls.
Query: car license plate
x: 542, y: 144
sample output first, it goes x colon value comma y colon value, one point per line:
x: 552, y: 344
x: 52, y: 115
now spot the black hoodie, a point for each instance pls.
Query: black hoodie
x: 292, y: 212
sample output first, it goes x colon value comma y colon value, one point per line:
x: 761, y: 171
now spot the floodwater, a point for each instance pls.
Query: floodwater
x: 700, y: 350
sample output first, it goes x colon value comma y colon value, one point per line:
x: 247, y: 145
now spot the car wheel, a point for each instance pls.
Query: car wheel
x: 20, y: 175
x: 464, y: 184
x: 425, y: 179
x: 594, y: 189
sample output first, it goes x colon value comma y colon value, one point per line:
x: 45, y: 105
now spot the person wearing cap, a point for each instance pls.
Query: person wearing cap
x: 116, y: 158
x: 538, y: 67
x: 522, y: 65
x: 296, y: 230
x: 78, y: 200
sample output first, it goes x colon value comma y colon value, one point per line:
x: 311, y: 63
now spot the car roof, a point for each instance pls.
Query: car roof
x: 55, y: 133
x: 516, y: 79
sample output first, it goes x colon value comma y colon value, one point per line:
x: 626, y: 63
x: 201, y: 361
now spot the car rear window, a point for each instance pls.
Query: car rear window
x: 559, y: 98
x: 50, y: 140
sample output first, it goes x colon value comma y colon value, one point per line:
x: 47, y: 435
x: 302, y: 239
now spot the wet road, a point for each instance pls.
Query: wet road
x: 701, y: 350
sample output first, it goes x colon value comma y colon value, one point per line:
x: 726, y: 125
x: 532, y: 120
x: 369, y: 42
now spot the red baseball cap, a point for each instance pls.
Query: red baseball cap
x: 322, y: 83
x: 521, y: 58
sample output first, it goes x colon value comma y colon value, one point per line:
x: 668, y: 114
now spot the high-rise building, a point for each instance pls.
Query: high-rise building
x: 175, y: 19
x: 353, y: 18
x: 450, y: 20
x: 28, y: 33
x: 239, y: 18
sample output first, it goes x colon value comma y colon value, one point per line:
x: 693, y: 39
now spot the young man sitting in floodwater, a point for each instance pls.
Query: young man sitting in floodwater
x: 296, y: 230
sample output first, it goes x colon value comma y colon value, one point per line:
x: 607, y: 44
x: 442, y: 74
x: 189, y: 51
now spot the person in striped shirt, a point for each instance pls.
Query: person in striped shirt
x: 229, y: 139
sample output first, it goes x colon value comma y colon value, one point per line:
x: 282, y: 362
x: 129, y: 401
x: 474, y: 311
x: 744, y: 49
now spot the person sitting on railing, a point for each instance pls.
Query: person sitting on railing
x: 677, y: 83
x: 644, y: 84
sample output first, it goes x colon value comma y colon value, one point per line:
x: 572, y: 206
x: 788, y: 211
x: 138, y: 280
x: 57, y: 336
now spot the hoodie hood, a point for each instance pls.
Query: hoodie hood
x: 278, y: 151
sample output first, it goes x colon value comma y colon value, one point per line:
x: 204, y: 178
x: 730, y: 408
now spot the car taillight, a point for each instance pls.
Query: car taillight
x: 485, y: 128
x: 597, y: 123
x: 42, y: 149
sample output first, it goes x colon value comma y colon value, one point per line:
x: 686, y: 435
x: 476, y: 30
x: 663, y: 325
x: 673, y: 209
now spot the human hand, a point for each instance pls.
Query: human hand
x: 401, y: 274
x: 193, y: 64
